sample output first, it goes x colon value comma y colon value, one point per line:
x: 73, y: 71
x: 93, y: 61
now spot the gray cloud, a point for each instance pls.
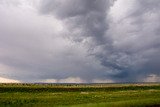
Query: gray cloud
x: 110, y: 40
x: 122, y: 35
x: 85, y: 18
x: 137, y: 38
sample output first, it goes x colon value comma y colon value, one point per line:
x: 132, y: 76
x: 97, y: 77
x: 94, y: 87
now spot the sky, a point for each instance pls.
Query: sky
x: 79, y: 41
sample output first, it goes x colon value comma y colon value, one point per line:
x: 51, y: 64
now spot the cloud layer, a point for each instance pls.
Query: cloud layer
x: 80, y: 41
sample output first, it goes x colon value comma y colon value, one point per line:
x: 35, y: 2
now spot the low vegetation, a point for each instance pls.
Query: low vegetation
x: 80, y: 95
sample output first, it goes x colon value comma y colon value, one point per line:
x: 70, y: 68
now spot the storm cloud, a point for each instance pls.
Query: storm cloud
x: 80, y: 40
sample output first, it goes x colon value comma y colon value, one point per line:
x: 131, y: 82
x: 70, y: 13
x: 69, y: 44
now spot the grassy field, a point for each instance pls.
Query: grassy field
x: 80, y: 95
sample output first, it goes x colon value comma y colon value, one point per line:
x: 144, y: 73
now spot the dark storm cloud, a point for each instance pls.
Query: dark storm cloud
x: 80, y: 40
x: 86, y: 16
x: 138, y: 38
x: 124, y: 36
x: 92, y: 22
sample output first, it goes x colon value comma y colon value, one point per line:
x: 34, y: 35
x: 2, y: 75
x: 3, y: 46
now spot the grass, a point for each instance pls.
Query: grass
x: 79, y: 95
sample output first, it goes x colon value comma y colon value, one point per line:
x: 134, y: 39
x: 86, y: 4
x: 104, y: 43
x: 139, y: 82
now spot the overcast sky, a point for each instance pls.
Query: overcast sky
x: 80, y: 41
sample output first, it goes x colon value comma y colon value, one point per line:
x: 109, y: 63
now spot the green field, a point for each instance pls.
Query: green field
x: 80, y: 95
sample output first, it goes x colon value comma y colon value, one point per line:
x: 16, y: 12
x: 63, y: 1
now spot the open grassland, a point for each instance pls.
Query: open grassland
x: 80, y: 95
